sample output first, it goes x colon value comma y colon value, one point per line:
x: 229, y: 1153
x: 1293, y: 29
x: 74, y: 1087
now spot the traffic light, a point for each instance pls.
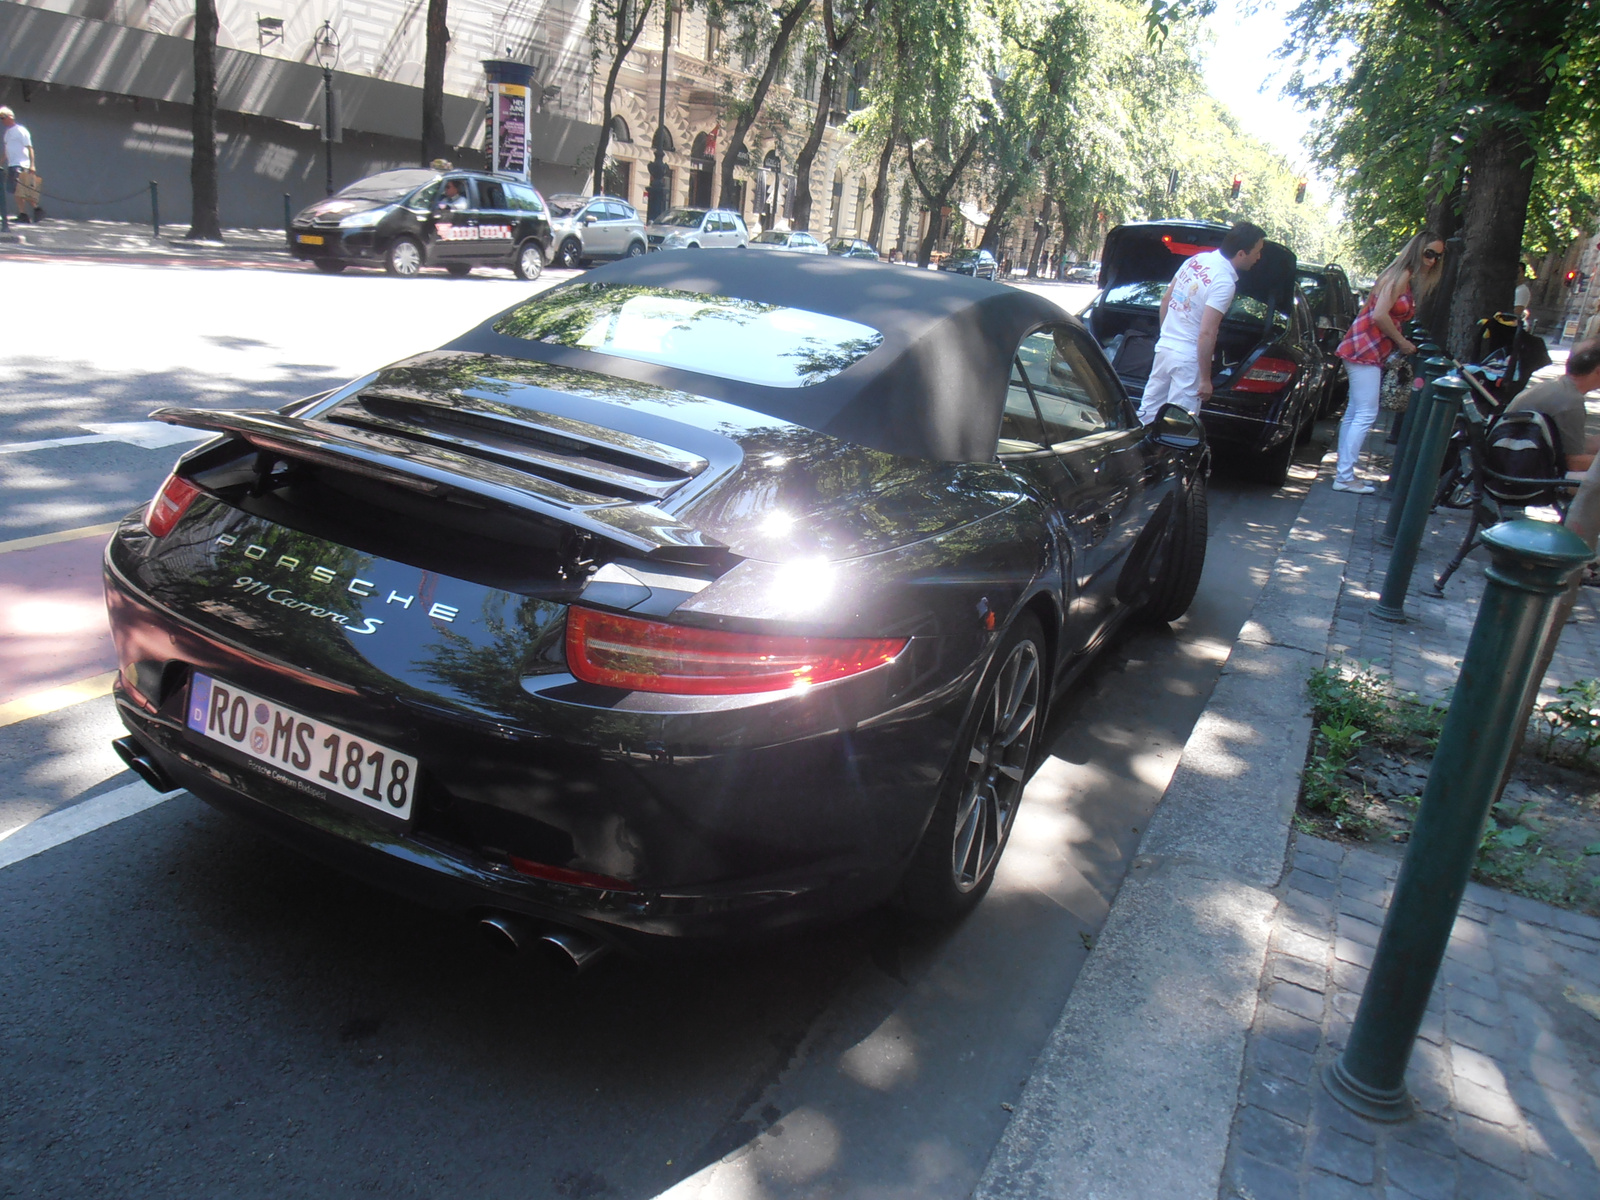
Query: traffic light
x: 1237, y: 183
x: 1300, y: 192
x: 1572, y: 280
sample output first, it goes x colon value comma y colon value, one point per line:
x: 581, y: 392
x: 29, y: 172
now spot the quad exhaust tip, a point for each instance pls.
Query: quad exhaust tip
x: 138, y: 760
x: 566, y: 951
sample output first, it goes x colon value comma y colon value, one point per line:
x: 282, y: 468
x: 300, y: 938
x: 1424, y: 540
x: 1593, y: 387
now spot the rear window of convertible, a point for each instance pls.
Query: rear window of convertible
x: 723, y: 336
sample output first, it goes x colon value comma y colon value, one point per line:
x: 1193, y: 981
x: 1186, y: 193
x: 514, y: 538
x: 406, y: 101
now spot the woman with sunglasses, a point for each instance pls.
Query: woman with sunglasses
x: 1373, y: 336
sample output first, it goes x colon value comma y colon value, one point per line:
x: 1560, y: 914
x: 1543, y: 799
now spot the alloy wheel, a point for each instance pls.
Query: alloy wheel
x: 571, y: 253
x: 997, y: 767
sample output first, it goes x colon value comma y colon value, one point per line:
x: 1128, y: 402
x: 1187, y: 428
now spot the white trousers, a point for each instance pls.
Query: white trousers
x: 1359, y: 415
x: 1174, y: 379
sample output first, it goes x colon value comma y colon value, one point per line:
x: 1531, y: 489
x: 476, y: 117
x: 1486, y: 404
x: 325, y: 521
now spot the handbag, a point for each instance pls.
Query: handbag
x: 1394, y: 393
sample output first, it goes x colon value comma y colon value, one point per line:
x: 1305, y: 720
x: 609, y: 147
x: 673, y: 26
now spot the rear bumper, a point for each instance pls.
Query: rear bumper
x: 727, y: 825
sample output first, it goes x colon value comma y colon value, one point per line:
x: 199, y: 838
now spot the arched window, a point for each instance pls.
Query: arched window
x: 701, y: 147
x: 663, y: 140
x: 770, y: 162
x: 620, y: 131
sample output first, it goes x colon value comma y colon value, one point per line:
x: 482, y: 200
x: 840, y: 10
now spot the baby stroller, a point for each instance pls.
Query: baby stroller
x: 1506, y: 355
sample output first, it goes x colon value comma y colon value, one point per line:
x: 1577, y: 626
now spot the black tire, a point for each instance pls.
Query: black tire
x: 403, y: 258
x: 1307, y: 428
x: 329, y: 266
x: 529, y: 262
x: 1174, y: 589
x: 458, y: 270
x: 636, y: 250
x: 1272, y: 468
x: 955, y: 861
x: 570, y: 256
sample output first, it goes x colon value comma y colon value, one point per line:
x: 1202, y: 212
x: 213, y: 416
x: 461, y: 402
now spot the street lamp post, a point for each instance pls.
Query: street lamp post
x: 658, y: 165
x: 326, y: 47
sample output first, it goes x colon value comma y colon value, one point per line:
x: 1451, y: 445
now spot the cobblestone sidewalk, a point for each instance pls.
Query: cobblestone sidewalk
x: 1506, y: 1071
x: 120, y: 239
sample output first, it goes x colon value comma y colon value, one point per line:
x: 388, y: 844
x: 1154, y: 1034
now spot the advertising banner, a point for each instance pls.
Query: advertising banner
x: 509, y: 112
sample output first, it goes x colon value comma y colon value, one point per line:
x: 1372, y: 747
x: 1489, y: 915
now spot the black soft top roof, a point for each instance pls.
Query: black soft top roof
x: 935, y: 388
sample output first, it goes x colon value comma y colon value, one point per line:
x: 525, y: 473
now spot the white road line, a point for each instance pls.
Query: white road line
x: 56, y: 828
x: 149, y: 435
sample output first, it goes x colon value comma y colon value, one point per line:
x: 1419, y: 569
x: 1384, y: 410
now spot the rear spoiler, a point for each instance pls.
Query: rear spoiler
x: 437, y: 471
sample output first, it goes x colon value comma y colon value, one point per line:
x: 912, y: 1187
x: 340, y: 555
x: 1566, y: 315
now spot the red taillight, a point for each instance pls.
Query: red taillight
x: 1266, y: 375
x: 586, y: 879
x: 171, y: 502
x: 652, y: 656
x: 1184, y: 248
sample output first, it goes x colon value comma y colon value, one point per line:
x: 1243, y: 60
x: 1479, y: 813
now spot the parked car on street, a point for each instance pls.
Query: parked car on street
x: 698, y: 229
x: 852, y: 248
x: 794, y: 240
x: 1083, y: 272
x: 1333, y: 307
x: 411, y: 219
x: 587, y: 229
x: 698, y: 598
x: 1268, y: 370
x: 980, y: 264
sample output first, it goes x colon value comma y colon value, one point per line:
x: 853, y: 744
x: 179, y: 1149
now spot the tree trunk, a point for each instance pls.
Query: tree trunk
x: 934, y: 195
x: 997, y: 216
x: 808, y: 153
x: 1040, y: 228
x: 204, y: 223
x: 624, y: 36
x: 1493, y: 217
x: 880, y: 190
x: 437, y: 44
x: 789, y: 22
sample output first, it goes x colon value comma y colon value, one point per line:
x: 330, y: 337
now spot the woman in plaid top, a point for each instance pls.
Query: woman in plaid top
x: 1373, y: 336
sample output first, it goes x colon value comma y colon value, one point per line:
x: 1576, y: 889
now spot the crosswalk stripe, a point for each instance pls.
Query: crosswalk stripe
x: 61, y: 535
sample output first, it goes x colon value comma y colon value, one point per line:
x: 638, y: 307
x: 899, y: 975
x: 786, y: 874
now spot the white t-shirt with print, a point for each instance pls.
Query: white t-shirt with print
x: 18, y: 142
x: 1206, y: 281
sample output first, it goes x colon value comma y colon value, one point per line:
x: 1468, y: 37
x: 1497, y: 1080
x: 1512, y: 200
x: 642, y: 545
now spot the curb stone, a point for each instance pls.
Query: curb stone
x: 1134, y: 1093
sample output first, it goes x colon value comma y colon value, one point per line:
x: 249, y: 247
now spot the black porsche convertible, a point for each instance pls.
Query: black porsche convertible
x: 692, y: 600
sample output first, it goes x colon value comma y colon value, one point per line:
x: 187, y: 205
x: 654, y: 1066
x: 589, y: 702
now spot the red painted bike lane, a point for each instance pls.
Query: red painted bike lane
x: 53, y: 628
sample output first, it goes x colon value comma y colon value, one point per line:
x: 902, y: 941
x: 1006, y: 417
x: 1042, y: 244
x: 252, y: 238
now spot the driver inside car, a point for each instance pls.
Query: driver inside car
x: 453, y: 198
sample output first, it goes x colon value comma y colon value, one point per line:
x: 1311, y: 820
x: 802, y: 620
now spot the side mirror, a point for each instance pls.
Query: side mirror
x: 1176, y: 428
x: 589, y: 218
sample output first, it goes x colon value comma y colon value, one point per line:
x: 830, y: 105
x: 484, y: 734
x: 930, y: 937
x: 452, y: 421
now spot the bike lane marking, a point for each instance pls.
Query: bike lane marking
x: 66, y: 824
x: 53, y: 628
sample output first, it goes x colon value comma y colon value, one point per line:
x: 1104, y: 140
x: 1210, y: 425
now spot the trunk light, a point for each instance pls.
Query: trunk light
x: 652, y: 656
x: 169, y: 505
x: 588, y: 879
x: 1266, y: 375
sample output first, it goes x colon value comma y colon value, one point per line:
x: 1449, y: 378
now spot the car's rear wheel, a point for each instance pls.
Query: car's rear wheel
x: 570, y: 255
x: 529, y: 263
x: 635, y: 249
x: 458, y: 270
x: 1272, y: 468
x: 404, y: 258
x: 954, y: 864
x: 1179, y: 580
x: 329, y: 266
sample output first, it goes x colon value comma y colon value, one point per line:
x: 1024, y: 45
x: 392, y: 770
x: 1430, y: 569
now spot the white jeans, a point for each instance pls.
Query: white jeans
x: 1174, y: 379
x: 1359, y: 415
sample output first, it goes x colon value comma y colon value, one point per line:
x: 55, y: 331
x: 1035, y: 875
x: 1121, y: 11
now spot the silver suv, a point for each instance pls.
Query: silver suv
x: 698, y: 228
x: 586, y: 228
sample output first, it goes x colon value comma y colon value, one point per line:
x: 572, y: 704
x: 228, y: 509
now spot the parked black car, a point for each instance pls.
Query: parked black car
x: 1333, y: 307
x: 980, y: 264
x: 1268, y: 369
x: 407, y: 220
x: 852, y: 248
x: 699, y: 597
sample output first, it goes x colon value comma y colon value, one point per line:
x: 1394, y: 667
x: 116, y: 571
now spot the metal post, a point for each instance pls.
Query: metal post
x: 288, y: 215
x: 1405, y: 451
x: 1434, y: 439
x: 1532, y: 562
x: 327, y: 122
x: 659, y: 203
x: 155, y: 210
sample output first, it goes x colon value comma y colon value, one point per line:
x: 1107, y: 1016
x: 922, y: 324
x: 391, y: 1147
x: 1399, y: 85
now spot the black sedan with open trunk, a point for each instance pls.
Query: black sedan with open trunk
x: 692, y: 600
x: 1268, y: 370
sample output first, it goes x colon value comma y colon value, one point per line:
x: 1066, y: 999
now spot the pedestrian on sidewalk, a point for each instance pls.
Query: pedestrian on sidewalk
x: 1562, y: 401
x: 1373, y: 336
x: 1192, y: 309
x: 19, y: 152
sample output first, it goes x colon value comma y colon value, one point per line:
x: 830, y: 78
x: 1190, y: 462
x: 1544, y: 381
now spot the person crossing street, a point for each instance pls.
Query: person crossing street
x: 1191, y: 314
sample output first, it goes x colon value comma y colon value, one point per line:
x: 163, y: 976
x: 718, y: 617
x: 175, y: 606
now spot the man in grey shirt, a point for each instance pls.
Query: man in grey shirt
x: 1562, y: 401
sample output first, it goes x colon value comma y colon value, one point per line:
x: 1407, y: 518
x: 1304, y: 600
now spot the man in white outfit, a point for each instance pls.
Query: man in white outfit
x: 1191, y: 313
x: 19, y: 151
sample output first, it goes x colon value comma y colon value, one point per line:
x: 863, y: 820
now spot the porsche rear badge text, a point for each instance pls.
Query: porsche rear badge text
x: 356, y: 586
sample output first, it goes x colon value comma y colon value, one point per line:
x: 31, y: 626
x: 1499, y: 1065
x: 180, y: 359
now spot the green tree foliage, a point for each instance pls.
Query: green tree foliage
x: 1470, y: 116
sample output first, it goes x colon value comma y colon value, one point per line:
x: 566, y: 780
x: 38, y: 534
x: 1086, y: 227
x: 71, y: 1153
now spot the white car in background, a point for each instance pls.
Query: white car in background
x: 698, y: 229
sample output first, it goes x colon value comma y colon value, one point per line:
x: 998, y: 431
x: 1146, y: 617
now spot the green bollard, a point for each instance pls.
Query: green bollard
x: 1434, y: 367
x: 1433, y: 441
x: 1533, y: 560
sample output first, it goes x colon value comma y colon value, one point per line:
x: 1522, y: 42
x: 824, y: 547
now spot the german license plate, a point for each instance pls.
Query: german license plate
x: 310, y: 239
x: 295, y: 745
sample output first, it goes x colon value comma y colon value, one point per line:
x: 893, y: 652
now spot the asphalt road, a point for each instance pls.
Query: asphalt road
x: 188, y: 1010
